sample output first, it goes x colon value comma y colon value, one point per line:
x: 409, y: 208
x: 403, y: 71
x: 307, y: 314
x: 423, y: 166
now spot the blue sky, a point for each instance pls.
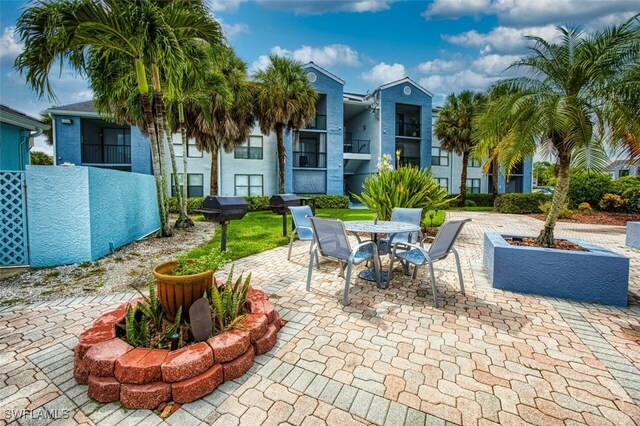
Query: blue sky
x: 445, y: 45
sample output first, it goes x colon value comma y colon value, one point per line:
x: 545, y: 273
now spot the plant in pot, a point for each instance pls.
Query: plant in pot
x: 182, y: 282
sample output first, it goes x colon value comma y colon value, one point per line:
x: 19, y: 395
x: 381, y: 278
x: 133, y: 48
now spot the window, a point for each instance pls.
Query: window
x: 473, y: 186
x: 192, y: 150
x: 251, y: 150
x: 473, y: 162
x: 443, y: 182
x: 248, y: 185
x: 623, y: 173
x: 439, y: 157
x: 195, y: 185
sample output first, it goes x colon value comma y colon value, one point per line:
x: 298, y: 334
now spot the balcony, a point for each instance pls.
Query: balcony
x: 318, y: 123
x: 357, y: 146
x: 405, y: 161
x: 310, y: 159
x: 409, y: 130
x: 106, y: 154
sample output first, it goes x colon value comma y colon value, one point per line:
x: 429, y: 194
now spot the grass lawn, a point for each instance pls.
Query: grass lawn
x: 260, y: 231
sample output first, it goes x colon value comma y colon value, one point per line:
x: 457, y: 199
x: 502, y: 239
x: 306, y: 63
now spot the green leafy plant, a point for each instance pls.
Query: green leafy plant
x: 588, y: 187
x: 520, y: 203
x: 612, y: 203
x: 136, y: 327
x: 151, y: 307
x: 228, y: 302
x: 585, y: 208
x: 407, y: 186
x: 213, y: 261
x: 565, y: 213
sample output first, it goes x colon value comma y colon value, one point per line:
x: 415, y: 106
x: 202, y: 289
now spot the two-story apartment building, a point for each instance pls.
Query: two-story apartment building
x: 333, y: 154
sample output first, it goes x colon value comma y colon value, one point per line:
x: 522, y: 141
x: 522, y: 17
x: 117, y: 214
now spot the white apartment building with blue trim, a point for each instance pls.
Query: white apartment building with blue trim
x: 336, y: 151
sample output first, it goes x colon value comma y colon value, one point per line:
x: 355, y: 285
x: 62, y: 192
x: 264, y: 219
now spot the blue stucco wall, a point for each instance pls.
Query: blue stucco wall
x: 388, y: 99
x: 633, y: 235
x: 68, y: 138
x: 597, y: 275
x: 75, y: 212
x: 14, y: 155
x: 140, y: 153
x: 288, y: 163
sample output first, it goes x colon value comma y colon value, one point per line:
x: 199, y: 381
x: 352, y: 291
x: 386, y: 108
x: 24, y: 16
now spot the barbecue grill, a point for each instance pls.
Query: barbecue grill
x: 222, y: 210
x: 280, y: 203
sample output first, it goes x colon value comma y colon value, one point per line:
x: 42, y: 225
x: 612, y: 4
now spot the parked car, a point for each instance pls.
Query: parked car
x: 544, y: 190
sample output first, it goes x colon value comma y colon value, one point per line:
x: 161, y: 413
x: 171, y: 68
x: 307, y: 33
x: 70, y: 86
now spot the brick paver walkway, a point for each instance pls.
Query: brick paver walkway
x: 389, y: 358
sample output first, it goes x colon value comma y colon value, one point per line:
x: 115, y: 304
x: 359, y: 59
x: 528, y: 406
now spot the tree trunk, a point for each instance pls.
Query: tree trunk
x: 279, y: 137
x: 213, y: 185
x: 183, y: 221
x: 463, y: 178
x: 546, y: 237
x: 162, y: 154
x: 185, y: 153
x: 494, y: 178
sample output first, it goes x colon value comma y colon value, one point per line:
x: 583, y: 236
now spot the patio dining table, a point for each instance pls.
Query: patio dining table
x: 375, y: 229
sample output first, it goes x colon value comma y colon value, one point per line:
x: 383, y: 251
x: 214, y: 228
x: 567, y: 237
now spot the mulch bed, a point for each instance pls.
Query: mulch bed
x: 597, y: 218
x: 558, y: 244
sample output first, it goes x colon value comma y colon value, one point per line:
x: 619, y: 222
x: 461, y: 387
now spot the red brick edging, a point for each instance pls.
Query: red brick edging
x: 146, y: 378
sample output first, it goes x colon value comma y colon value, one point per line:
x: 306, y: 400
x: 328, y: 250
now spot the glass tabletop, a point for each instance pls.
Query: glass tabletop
x: 382, y: 227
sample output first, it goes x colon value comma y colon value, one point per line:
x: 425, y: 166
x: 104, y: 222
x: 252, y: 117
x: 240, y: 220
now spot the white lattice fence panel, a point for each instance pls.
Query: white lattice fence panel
x: 13, y: 220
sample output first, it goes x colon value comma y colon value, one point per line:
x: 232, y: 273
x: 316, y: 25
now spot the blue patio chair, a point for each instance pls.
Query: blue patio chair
x: 303, y: 228
x: 330, y: 240
x: 441, y: 246
x: 402, y: 214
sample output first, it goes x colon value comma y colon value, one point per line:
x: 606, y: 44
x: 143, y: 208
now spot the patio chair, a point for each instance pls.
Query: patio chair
x: 441, y: 246
x: 331, y: 241
x: 300, y: 216
x: 402, y: 214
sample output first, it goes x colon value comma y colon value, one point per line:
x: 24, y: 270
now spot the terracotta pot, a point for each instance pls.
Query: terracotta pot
x: 180, y: 290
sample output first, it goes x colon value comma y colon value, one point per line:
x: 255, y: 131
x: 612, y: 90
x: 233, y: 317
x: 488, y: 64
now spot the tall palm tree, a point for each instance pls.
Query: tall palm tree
x: 580, y: 97
x: 454, y: 128
x: 132, y: 40
x: 285, y: 100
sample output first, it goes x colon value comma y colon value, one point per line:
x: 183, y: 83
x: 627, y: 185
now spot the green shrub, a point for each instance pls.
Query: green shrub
x: 585, y: 208
x: 406, y: 186
x: 481, y: 200
x: 588, y: 187
x: 257, y: 203
x: 520, y: 203
x: 612, y: 203
x: 330, y: 201
x: 193, y: 203
x: 470, y: 203
x: 622, y: 185
x: 632, y: 195
x: 565, y: 213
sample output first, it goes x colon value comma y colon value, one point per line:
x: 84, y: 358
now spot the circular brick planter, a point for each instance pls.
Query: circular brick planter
x: 146, y: 378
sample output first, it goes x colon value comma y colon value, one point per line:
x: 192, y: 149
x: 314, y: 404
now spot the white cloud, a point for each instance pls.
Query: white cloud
x: 318, y: 7
x: 530, y: 12
x: 225, y: 5
x: 439, y: 66
x: 494, y: 65
x: 466, y: 79
x: 232, y: 30
x: 260, y: 64
x: 444, y: 9
x: 326, y: 56
x: 10, y: 47
x: 501, y: 39
x: 384, y: 73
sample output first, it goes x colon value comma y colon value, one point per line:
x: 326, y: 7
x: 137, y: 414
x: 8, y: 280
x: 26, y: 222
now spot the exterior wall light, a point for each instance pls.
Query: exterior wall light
x: 66, y: 121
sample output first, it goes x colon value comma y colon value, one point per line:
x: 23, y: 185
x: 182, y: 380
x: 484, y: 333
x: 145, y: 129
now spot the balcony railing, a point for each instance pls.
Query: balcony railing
x: 357, y: 146
x: 404, y: 161
x: 411, y: 130
x: 106, y: 154
x: 310, y: 159
x: 318, y: 123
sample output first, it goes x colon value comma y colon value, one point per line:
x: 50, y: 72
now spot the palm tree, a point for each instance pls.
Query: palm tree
x: 454, y: 128
x: 580, y: 97
x: 285, y: 100
x: 129, y: 41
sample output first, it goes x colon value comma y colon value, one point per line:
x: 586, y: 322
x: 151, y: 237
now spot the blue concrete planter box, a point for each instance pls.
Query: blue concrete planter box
x: 633, y: 235
x: 597, y: 275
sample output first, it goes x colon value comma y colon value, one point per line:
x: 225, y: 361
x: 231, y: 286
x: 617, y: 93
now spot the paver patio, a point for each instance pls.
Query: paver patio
x: 389, y: 358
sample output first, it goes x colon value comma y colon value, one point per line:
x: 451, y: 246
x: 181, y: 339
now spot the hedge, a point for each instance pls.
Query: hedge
x: 520, y: 202
x: 258, y: 203
x: 481, y: 200
x: 589, y: 188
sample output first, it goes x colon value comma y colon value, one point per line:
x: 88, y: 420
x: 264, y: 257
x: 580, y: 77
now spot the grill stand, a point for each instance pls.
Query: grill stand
x: 223, y: 236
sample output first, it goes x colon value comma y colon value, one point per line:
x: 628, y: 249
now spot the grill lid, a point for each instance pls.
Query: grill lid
x: 284, y: 199
x: 224, y: 203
